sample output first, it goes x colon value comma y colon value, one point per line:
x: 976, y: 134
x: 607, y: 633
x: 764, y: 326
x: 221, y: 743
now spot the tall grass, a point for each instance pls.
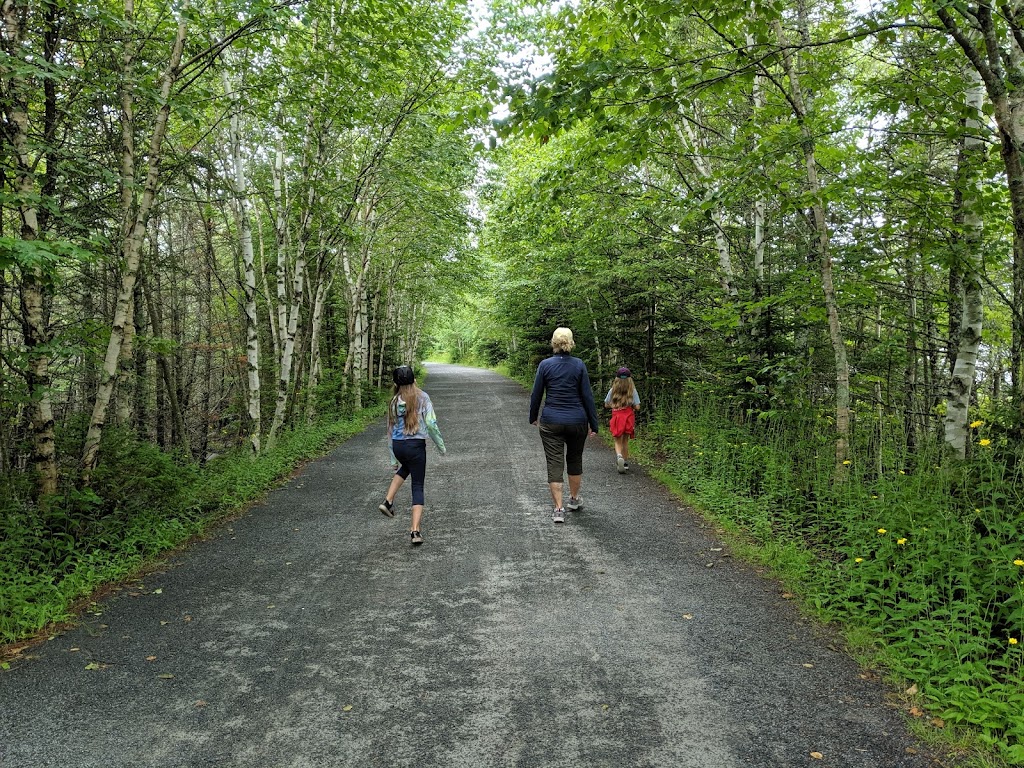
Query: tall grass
x: 142, y: 503
x: 926, y: 561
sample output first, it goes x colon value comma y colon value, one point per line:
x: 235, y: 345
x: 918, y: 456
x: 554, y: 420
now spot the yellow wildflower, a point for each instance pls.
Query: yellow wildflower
x: 1018, y: 562
x: 986, y: 441
x: 858, y: 560
x: 901, y: 542
x: 1013, y: 641
x: 882, y: 530
x: 976, y: 424
x: 847, y: 462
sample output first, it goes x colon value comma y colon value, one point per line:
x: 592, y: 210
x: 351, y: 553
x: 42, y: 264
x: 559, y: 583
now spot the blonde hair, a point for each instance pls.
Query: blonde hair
x: 622, y: 392
x: 561, y: 340
x: 409, y: 393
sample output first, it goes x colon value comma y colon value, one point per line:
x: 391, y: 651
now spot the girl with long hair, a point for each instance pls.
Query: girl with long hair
x: 624, y: 401
x: 411, y: 420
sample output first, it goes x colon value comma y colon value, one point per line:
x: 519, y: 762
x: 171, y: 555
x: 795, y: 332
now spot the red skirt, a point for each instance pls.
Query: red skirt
x: 623, y: 422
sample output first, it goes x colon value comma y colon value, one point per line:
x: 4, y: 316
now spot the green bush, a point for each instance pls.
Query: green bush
x: 929, y: 561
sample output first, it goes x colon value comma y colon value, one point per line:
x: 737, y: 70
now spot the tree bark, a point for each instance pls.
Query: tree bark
x: 131, y: 252
x: 825, y: 259
x: 34, y: 290
x: 252, y: 336
x: 997, y: 58
x: 961, y: 383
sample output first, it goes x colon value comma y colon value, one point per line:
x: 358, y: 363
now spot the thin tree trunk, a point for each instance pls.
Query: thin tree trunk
x: 824, y: 254
x: 961, y: 383
x: 34, y: 285
x: 131, y: 251
x: 252, y: 335
x: 997, y: 59
x: 166, y: 372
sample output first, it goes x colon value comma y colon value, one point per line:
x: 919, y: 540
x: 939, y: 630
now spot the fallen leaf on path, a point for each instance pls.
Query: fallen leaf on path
x: 166, y: 676
x: 164, y: 623
x: 188, y: 618
x: 911, y: 751
x: 687, y: 616
x: 93, y: 665
x: 74, y: 650
x: 809, y: 666
x: 605, y: 707
x: 788, y: 596
x: 158, y: 591
x: 347, y: 708
x: 151, y: 658
x: 912, y: 690
x: 938, y: 722
x: 916, y: 712
x: 200, y: 704
x: 817, y: 755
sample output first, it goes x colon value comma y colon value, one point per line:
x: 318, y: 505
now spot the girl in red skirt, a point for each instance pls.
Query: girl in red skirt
x: 624, y: 401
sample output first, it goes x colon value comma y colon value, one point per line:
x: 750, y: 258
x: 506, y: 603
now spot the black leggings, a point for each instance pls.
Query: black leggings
x: 412, y: 455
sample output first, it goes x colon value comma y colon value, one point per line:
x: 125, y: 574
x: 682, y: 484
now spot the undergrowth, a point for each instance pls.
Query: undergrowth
x: 924, y: 563
x: 142, y: 502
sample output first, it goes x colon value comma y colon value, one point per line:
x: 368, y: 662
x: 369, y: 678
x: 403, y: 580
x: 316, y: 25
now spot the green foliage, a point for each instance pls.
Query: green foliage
x: 928, y: 563
x: 142, y: 503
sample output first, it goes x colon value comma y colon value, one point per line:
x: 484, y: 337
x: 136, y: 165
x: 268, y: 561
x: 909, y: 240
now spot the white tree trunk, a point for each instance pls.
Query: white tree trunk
x: 316, y: 324
x: 252, y: 337
x: 958, y: 395
x: 131, y: 250
x: 34, y: 288
x: 726, y: 274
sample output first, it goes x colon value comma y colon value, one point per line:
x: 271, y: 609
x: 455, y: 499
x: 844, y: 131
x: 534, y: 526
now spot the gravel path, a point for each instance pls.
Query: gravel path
x: 310, y: 634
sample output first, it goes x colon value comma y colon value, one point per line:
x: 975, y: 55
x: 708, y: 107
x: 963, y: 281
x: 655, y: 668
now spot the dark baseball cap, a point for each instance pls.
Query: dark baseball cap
x: 623, y: 373
x: 404, y: 374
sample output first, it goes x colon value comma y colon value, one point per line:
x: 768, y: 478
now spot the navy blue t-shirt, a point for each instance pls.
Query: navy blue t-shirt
x: 563, y: 382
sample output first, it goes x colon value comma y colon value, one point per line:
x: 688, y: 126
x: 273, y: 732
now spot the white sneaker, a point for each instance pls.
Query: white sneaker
x: 558, y: 515
x: 621, y: 463
x: 574, y: 503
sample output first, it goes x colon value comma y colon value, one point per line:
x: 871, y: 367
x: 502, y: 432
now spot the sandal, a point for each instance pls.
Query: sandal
x: 417, y: 538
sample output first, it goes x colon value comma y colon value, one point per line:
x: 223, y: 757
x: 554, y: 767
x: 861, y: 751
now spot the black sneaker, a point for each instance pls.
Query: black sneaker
x: 416, y: 537
x: 387, y: 508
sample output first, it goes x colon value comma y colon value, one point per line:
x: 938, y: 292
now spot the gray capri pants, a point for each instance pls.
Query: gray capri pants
x: 563, y: 448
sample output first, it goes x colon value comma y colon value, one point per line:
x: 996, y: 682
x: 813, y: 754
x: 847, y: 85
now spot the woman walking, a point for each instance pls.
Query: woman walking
x: 566, y: 420
x: 410, y: 420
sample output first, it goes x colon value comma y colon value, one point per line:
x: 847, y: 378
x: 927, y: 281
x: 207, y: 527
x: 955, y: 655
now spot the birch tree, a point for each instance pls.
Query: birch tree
x: 33, y: 162
x: 252, y: 339
x: 131, y: 246
x: 961, y: 382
